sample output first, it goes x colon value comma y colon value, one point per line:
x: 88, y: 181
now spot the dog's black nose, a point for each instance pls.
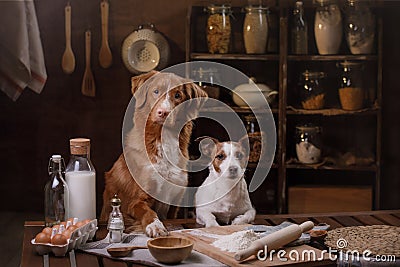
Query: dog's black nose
x: 233, y: 170
x: 162, y: 113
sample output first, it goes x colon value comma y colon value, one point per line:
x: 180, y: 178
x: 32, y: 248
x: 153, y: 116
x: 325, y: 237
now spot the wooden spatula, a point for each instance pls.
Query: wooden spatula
x: 105, y: 56
x: 68, y: 58
x: 88, y: 85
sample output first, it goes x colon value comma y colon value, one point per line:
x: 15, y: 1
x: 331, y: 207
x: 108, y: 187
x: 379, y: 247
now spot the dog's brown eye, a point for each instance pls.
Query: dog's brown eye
x: 239, y: 155
x: 220, y: 156
x: 177, y: 95
x: 156, y: 91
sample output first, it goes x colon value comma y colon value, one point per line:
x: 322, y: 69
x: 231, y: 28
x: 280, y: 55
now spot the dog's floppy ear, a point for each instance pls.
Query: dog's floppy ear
x: 136, y: 83
x: 194, y: 91
x: 244, y: 142
x: 207, y: 145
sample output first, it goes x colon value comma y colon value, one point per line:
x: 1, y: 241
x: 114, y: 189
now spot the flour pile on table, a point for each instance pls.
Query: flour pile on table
x: 236, y: 241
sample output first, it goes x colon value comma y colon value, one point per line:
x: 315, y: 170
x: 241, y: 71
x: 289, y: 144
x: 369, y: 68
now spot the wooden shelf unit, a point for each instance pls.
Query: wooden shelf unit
x: 196, y: 50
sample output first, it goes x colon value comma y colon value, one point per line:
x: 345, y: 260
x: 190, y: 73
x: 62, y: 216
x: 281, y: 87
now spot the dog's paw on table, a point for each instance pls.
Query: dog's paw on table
x: 156, y: 229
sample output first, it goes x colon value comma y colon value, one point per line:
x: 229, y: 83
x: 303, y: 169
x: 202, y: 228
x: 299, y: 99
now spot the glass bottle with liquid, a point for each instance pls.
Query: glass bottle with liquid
x: 81, y: 179
x: 56, y: 192
x: 299, y: 30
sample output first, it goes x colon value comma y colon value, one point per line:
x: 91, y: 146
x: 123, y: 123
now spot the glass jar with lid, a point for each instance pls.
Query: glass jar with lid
x: 255, y: 29
x: 308, y: 143
x: 359, y: 27
x: 312, y: 93
x: 218, y: 28
x: 328, y: 27
x: 255, y: 139
x: 351, y: 91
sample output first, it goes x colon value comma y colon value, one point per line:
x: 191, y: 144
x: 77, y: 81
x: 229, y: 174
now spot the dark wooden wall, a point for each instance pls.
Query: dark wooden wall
x: 37, y: 126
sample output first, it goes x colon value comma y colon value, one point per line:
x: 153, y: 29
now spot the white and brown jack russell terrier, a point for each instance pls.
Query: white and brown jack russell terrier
x: 223, y: 197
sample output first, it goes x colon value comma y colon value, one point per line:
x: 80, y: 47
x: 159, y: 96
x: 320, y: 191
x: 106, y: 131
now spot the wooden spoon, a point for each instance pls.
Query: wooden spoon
x: 123, y: 251
x: 88, y: 86
x: 105, y: 56
x: 68, y: 58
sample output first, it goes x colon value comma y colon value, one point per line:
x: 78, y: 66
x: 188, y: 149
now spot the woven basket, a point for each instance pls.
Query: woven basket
x: 378, y: 239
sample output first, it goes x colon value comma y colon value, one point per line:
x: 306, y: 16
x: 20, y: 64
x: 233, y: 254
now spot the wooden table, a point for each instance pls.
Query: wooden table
x: 335, y: 220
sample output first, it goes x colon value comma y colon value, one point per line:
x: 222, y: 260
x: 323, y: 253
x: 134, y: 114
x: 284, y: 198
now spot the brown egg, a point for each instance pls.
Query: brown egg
x: 67, y: 233
x: 47, y: 230
x: 87, y: 221
x: 59, y: 239
x: 72, y: 228
x: 42, y: 238
x: 80, y: 224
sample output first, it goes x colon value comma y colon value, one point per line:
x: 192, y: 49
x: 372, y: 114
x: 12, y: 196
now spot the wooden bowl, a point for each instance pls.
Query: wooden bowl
x: 170, y: 249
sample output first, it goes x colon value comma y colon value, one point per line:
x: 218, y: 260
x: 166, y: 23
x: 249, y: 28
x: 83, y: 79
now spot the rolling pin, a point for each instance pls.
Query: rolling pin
x: 275, y: 240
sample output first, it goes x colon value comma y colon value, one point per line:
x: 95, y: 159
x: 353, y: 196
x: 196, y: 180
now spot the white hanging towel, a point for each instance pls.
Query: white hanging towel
x: 21, y: 54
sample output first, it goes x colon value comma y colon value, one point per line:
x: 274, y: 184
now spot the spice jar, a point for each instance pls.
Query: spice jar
x: 328, y: 27
x: 359, y: 27
x: 218, y: 28
x: 351, y: 91
x: 312, y: 94
x: 255, y: 29
x: 308, y: 143
x: 254, y: 134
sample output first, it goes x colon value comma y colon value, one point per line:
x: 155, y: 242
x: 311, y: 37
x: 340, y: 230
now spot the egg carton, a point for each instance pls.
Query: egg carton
x: 78, y: 237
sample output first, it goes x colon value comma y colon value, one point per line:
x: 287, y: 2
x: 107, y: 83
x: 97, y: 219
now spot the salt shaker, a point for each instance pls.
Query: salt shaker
x: 115, y: 225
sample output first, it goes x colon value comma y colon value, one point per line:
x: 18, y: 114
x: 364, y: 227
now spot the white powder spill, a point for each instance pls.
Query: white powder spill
x: 236, y: 241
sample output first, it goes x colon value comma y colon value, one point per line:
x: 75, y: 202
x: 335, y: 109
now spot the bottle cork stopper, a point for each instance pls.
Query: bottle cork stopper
x: 79, y: 146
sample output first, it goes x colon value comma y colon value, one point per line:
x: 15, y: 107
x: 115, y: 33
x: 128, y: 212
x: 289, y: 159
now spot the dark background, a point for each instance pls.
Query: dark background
x: 37, y: 126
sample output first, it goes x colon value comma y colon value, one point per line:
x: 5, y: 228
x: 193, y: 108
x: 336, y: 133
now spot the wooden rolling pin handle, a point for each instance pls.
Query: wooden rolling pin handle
x: 275, y: 240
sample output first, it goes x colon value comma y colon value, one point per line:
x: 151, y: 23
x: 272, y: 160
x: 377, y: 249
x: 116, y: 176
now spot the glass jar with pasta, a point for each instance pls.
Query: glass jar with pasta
x: 218, y: 28
x: 312, y: 93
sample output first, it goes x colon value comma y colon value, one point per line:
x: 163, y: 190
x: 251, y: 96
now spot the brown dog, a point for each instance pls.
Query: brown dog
x: 151, y: 138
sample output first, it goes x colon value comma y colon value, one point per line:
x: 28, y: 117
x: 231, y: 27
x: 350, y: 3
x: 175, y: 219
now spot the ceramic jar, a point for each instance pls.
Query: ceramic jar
x: 328, y: 27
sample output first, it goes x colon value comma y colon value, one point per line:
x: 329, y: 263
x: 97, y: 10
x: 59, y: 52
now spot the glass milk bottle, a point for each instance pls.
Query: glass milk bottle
x: 81, y: 179
x: 56, y: 192
x: 328, y: 27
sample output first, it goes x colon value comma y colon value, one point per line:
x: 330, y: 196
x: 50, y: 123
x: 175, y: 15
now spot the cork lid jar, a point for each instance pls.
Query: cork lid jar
x: 79, y: 146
